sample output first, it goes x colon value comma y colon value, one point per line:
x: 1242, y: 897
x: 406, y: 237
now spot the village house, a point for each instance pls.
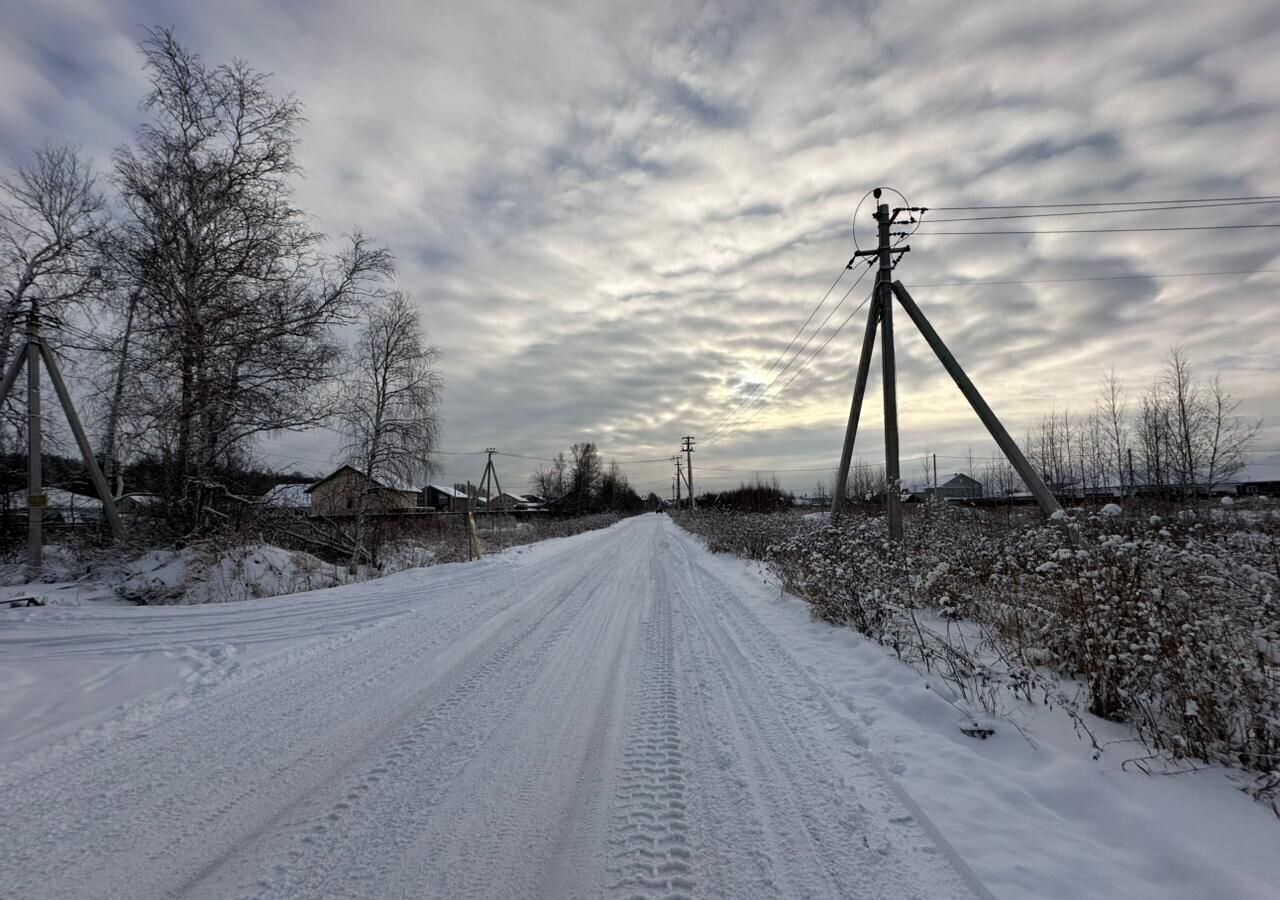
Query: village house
x: 958, y: 487
x: 341, y: 492
x: 445, y: 499
x: 509, y: 502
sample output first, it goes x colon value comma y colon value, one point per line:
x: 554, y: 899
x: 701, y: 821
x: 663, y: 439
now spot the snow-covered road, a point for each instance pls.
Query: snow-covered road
x: 618, y: 714
x: 596, y: 717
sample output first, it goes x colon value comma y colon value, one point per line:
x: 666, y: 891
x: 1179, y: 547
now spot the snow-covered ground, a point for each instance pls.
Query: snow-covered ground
x: 616, y: 714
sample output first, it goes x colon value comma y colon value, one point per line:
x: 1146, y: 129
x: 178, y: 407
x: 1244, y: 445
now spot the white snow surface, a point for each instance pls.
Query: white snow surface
x: 615, y: 714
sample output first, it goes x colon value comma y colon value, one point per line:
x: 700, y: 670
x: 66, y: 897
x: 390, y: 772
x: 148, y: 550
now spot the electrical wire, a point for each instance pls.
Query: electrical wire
x: 745, y: 409
x: 790, y: 344
x: 804, y: 366
x: 1097, y: 278
x: 1057, y: 205
x: 1104, y: 212
x: 1103, y: 230
x: 519, y: 456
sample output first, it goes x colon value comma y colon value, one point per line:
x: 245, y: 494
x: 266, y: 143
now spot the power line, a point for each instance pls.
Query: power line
x: 1104, y: 212
x: 1104, y: 230
x: 804, y: 366
x: 1101, y: 278
x: 790, y: 344
x: 1056, y: 205
x: 728, y: 427
x: 519, y: 456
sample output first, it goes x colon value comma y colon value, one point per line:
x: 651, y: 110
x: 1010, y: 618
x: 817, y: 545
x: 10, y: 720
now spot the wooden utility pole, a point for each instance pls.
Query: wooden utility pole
x: 679, y: 481
x: 881, y: 313
x: 489, y: 479
x: 889, y: 374
x: 688, y: 469
x: 35, y: 350
x: 36, y: 499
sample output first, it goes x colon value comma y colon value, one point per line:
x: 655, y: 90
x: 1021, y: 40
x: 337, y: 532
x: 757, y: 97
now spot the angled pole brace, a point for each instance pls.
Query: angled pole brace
x: 1048, y: 503
x: 855, y: 409
x: 82, y: 440
x: 11, y: 376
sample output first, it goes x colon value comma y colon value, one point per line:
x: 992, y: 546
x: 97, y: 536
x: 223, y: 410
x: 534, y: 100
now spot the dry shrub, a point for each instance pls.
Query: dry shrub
x: 1172, y: 624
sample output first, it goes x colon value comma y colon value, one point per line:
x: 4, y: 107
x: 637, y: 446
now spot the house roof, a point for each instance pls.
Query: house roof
x: 58, y: 499
x: 376, y: 482
x: 288, y: 496
x: 960, y: 478
x: 334, y: 474
x: 448, y: 491
x: 1263, y: 470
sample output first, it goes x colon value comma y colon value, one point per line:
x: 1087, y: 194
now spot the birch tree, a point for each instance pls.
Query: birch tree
x: 235, y: 303
x: 52, y: 223
x: 388, y: 407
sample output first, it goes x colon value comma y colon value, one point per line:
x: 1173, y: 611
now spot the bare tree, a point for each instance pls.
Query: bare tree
x: 1182, y: 390
x: 999, y: 479
x: 1227, y: 436
x: 1191, y: 436
x: 550, y: 483
x: 1111, y: 408
x: 1155, y: 432
x: 388, y: 404
x: 52, y: 222
x: 584, y: 475
x: 615, y: 489
x: 866, y: 482
x: 234, y: 302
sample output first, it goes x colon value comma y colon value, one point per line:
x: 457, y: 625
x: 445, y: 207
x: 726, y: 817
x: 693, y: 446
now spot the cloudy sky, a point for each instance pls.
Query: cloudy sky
x: 615, y: 216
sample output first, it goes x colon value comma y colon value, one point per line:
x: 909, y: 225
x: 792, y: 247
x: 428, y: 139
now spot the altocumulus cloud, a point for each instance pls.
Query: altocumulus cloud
x: 616, y: 215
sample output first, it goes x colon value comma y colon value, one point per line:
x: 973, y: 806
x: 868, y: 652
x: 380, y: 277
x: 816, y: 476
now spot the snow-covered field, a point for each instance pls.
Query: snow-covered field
x: 616, y: 714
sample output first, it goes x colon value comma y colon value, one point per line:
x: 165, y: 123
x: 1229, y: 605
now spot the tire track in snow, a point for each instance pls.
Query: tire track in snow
x: 870, y: 838
x: 252, y: 740
x: 362, y: 829
x: 651, y: 858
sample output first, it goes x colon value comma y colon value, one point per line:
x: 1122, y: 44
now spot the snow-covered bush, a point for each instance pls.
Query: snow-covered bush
x: 746, y: 534
x: 1172, y: 624
x: 216, y: 574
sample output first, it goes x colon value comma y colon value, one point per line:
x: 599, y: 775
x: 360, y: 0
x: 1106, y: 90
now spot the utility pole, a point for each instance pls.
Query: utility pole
x: 1133, y: 485
x: 935, y: 475
x: 688, y: 469
x: 489, y: 479
x: 36, y: 499
x: 679, y: 481
x: 881, y: 313
x: 889, y: 374
x: 30, y: 355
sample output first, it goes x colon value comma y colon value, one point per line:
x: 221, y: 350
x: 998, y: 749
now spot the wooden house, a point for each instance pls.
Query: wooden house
x: 341, y: 494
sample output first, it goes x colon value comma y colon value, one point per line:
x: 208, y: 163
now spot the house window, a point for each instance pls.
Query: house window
x: 350, y: 503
